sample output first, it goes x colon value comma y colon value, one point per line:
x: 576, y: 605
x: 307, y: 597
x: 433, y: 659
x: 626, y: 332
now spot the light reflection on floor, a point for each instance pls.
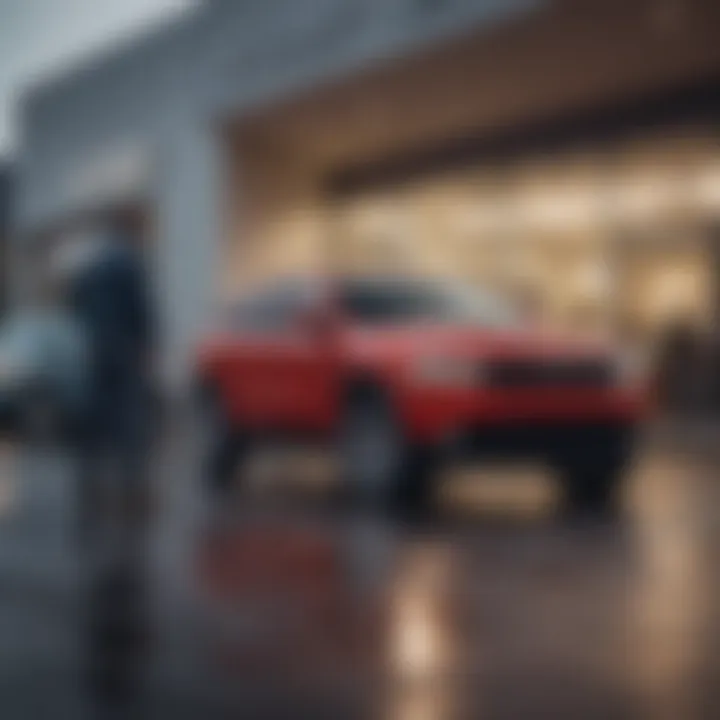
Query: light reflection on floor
x: 626, y: 605
x: 497, y: 607
x: 523, y: 490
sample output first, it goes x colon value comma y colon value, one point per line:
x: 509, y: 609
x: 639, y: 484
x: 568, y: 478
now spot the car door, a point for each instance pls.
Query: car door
x: 247, y: 359
x: 304, y: 371
x: 284, y: 374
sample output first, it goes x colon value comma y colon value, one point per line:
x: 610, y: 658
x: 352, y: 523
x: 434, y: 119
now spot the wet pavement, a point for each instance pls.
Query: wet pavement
x: 278, y: 604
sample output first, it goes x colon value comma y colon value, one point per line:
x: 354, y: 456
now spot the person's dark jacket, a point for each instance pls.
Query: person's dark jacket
x: 110, y: 299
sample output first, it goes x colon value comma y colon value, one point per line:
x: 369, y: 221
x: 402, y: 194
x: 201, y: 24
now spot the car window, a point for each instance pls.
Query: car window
x: 274, y: 309
x: 391, y: 301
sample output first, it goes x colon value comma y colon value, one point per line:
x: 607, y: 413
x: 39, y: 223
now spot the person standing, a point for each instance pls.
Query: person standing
x: 107, y: 293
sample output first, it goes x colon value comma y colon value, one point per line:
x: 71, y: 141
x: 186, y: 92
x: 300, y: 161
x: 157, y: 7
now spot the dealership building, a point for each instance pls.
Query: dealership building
x: 565, y: 150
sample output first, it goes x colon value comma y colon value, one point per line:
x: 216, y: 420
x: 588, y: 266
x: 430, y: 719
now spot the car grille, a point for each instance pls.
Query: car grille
x: 548, y: 373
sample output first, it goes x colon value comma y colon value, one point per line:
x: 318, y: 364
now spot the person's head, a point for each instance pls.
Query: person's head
x: 72, y: 250
x: 120, y: 224
x: 72, y: 254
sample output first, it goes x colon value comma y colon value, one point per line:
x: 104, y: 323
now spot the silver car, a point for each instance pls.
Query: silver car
x: 43, y: 372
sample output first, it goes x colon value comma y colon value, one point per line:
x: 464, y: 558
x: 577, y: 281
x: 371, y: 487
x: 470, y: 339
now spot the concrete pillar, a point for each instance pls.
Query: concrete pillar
x: 189, y: 190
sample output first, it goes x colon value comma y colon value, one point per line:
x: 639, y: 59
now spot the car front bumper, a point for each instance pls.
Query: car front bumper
x: 432, y: 416
x: 549, y: 441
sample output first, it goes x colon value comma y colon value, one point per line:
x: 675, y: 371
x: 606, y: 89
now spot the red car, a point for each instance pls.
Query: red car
x: 401, y: 374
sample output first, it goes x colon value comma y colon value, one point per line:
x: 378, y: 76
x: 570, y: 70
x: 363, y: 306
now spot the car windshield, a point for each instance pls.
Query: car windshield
x: 401, y: 301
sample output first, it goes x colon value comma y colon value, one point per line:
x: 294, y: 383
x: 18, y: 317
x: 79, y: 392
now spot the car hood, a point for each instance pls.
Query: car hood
x: 473, y: 342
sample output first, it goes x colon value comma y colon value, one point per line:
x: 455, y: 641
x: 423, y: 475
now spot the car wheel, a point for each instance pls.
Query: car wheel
x: 592, y: 479
x: 590, y: 490
x: 223, y: 445
x: 380, y: 468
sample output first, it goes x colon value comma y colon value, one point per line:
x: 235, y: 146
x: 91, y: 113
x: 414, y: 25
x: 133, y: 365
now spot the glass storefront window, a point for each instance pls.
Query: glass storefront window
x: 613, y: 238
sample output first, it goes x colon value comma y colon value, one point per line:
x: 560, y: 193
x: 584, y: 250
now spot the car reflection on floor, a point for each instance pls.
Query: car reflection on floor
x: 497, y: 590
x: 279, y: 603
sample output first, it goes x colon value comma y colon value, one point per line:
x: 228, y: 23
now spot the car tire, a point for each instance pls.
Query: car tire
x: 223, y: 444
x: 592, y: 475
x: 380, y: 468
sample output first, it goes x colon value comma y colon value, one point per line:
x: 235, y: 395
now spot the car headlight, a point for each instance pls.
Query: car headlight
x: 438, y: 371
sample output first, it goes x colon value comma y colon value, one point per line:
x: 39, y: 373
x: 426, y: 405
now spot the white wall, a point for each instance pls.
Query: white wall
x: 190, y: 179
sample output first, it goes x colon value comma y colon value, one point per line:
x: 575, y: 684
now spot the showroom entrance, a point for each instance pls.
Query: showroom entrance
x: 620, y: 236
x: 617, y: 235
x: 582, y: 183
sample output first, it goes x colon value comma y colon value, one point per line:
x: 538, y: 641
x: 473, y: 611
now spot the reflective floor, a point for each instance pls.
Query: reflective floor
x: 279, y: 604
